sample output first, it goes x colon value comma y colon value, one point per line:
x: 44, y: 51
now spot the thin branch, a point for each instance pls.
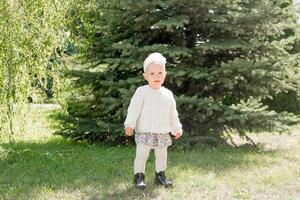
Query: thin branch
x: 250, y: 140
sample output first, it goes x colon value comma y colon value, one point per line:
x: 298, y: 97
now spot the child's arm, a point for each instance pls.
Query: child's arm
x: 175, y: 123
x: 133, y: 112
x: 178, y: 135
x: 128, y: 131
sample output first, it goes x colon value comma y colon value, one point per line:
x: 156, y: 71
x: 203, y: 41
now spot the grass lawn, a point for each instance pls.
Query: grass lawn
x: 39, y: 165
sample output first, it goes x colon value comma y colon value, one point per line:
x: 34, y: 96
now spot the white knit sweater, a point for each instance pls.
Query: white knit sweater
x: 153, y: 111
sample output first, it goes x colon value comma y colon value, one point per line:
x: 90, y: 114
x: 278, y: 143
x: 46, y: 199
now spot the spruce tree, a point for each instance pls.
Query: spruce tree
x: 224, y: 59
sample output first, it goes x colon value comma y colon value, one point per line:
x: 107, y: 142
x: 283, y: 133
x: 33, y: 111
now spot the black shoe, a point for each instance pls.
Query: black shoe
x: 139, y: 181
x: 160, y: 179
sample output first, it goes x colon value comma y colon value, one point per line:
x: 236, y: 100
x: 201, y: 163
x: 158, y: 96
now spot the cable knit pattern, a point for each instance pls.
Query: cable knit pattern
x: 153, y: 111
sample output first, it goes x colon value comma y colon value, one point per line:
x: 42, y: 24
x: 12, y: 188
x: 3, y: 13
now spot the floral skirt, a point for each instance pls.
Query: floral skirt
x: 154, y: 140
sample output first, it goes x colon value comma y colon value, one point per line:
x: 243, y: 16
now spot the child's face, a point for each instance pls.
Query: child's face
x: 155, y: 74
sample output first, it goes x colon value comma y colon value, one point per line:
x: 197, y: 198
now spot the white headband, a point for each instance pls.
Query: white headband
x: 154, y: 58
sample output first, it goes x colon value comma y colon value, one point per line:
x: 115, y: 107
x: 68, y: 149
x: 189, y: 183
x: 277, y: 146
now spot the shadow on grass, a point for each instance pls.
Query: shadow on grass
x: 224, y: 158
x: 99, y: 172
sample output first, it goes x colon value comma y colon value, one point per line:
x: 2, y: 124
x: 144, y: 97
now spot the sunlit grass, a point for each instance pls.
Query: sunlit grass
x: 39, y: 165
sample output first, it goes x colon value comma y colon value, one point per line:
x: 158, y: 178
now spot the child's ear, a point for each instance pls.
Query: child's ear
x: 145, y: 76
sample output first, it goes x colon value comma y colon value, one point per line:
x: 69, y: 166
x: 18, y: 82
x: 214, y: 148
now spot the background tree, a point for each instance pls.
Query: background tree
x: 225, y: 58
x: 31, y: 33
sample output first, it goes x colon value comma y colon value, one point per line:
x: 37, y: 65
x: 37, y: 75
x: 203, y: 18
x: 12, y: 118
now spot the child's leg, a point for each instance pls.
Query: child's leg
x: 142, y: 153
x: 160, y: 159
x: 160, y: 167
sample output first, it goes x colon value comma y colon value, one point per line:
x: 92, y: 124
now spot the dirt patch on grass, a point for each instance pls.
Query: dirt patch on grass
x: 272, y: 141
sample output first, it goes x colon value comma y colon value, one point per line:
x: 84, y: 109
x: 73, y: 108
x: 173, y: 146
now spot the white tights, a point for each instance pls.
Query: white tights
x: 142, y: 154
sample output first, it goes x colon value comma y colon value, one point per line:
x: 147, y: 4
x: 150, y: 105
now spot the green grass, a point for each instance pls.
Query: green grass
x: 39, y: 165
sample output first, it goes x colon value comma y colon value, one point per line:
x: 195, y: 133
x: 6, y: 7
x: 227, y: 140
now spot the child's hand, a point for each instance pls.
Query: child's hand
x: 128, y: 131
x: 178, y: 135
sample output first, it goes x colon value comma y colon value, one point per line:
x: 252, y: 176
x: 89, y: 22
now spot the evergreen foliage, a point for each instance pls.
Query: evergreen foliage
x: 224, y: 59
x: 285, y: 101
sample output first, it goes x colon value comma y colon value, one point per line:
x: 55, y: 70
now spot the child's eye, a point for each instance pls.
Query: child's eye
x: 152, y: 73
x: 160, y: 73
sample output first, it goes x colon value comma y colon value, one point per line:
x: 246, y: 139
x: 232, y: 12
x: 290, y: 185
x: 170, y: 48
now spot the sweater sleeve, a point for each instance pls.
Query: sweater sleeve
x: 134, y: 109
x: 175, y: 123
